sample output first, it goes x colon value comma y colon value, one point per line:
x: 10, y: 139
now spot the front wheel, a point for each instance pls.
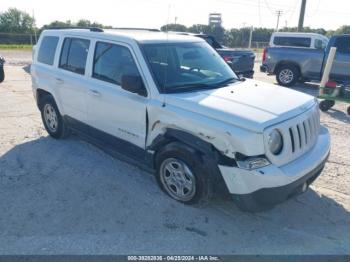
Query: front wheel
x: 287, y: 75
x: 181, y: 175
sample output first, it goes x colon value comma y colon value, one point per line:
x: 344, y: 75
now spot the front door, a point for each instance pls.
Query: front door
x: 112, y: 109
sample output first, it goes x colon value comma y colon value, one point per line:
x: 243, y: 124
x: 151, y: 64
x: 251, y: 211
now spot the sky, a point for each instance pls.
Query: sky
x: 155, y: 13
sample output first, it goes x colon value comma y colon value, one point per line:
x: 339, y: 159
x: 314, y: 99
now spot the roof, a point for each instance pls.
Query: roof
x: 297, y: 34
x: 142, y: 36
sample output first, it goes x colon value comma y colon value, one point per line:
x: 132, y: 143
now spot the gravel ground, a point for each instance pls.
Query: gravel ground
x: 68, y: 197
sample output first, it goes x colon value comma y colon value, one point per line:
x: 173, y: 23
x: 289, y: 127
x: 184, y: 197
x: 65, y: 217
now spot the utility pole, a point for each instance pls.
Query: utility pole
x: 34, y: 27
x: 278, y: 13
x: 302, y: 15
x: 250, y: 37
x: 175, y: 19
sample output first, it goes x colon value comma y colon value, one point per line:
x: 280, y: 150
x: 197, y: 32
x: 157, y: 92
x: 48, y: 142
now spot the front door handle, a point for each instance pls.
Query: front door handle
x: 94, y: 92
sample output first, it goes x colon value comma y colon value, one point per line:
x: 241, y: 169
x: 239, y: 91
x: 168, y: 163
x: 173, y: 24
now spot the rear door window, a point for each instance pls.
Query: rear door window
x: 47, y: 50
x: 74, y: 54
x: 343, y: 45
x: 292, y: 41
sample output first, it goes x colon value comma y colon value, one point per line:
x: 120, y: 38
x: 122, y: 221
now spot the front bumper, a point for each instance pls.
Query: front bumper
x: 271, y: 185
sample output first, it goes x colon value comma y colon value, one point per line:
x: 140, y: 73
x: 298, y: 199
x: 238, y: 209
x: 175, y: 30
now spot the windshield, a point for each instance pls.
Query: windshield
x: 180, y: 67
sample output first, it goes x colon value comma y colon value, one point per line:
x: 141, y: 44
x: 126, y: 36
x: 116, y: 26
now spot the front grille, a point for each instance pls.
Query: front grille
x: 299, y: 136
x: 303, y: 135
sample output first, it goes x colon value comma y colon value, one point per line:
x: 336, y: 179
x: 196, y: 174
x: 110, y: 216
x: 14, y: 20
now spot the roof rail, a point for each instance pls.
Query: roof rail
x: 92, y: 29
x: 137, y: 29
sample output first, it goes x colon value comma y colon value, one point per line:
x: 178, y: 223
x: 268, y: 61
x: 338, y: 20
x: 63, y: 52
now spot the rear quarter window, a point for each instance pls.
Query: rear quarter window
x: 47, y: 50
x: 292, y: 41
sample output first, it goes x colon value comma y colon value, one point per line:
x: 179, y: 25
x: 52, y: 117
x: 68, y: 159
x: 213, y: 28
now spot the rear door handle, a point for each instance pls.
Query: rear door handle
x: 94, y: 92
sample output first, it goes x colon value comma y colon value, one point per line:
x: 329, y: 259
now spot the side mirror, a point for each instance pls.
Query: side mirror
x: 134, y: 84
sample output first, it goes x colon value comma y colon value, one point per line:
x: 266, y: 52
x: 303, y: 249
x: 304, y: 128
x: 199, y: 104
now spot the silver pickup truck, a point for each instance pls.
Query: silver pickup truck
x: 293, y: 64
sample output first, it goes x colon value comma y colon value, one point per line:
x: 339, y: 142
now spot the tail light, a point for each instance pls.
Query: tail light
x: 264, y: 55
x: 331, y: 84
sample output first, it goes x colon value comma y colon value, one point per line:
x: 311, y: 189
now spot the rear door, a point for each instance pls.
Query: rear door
x: 71, y: 80
x: 341, y: 66
x: 111, y: 109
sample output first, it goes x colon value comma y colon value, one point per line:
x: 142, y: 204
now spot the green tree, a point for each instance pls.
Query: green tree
x: 199, y: 29
x: 84, y: 23
x: 345, y: 29
x: 16, y: 21
x: 58, y: 24
x: 217, y: 31
x: 174, y: 27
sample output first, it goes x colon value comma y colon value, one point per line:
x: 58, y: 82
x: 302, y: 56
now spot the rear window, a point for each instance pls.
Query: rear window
x: 74, y: 54
x: 343, y: 45
x: 292, y: 41
x: 47, y: 50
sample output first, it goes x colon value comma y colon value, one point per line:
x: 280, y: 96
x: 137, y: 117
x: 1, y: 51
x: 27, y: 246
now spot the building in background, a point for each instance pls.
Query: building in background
x: 215, y: 19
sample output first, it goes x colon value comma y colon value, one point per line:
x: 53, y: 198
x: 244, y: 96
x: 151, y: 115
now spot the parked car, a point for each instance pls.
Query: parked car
x: 304, y: 40
x: 291, y: 64
x: 2, y: 72
x: 171, y: 103
x: 240, y: 60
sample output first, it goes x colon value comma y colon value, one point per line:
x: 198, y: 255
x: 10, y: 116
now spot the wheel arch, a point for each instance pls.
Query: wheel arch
x: 287, y: 62
x: 40, y: 94
x: 209, y: 155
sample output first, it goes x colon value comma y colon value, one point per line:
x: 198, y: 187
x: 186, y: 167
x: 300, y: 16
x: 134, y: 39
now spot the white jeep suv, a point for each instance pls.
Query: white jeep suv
x: 171, y: 103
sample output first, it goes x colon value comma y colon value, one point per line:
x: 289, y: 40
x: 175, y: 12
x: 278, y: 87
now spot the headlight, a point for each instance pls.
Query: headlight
x: 275, y: 142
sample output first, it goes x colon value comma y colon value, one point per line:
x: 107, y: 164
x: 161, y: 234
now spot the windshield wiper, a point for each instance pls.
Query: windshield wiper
x: 196, y: 86
x: 226, y: 82
x: 187, y: 87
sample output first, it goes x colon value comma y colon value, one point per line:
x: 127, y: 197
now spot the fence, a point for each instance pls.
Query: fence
x: 17, y: 39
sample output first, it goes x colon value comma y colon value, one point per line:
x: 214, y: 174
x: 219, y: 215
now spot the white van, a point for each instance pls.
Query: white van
x: 303, y: 40
x: 172, y: 103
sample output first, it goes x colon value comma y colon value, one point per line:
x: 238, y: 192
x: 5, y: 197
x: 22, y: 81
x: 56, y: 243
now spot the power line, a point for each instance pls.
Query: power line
x: 268, y: 6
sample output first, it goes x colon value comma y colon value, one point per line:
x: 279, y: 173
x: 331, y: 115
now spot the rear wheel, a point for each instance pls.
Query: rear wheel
x: 52, y: 119
x: 287, y: 75
x: 349, y: 110
x: 181, y: 175
x: 325, y: 105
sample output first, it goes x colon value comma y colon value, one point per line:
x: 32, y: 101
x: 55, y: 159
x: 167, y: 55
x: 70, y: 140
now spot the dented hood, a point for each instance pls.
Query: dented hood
x: 251, y: 104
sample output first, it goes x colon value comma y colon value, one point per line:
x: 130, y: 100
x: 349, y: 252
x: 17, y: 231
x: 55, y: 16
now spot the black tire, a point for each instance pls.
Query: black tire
x: 348, y: 110
x: 61, y: 129
x: 2, y: 74
x: 287, y: 75
x: 325, y: 105
x: 193, y: 161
